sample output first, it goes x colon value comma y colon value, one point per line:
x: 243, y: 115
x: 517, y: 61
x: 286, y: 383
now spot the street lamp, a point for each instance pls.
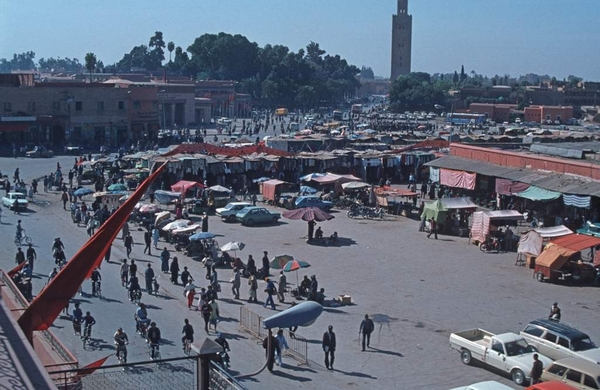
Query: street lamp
x: 164, y: 120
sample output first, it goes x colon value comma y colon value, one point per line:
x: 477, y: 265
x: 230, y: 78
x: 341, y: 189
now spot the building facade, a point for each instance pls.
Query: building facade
x: 401, y: 41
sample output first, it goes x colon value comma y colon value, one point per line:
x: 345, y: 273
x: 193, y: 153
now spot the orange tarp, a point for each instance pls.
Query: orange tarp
x: 554, y: 257
x: 576, y: 242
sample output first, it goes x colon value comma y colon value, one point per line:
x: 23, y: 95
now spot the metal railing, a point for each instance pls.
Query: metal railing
x: 298, y: 348
x: 251, y: 323
x: 221, y: 380
x: 19, y: 298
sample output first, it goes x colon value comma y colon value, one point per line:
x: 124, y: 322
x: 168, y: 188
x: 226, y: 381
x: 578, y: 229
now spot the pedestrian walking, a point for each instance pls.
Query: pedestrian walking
x: 253, y: 287
x: 204, y: 223
x: 107, y: 254
x: 366, y: 328
x: 148, y: 242
x: 536, y: 370
x: 281, y: 344
x: 164, y: 260
x: 174, y: 268
x: 65, y: 198
x: 265, y: 264
x: 185, y: 276
x: 189, y: 292
x: 271, y: 347
x: 270, y: 290
x: 125, y: 231
x: 149, y: 276
x: 281, y: 285
x: 236, y: 281
x: 155, y: 237
x: 432, y: 228
x: 31, y: 256
x: 128, y: 244
x: 329, y: 344
x: 205, y: 309
x: 20, y: 256
x: 214, y: 314
x: 132, y: 268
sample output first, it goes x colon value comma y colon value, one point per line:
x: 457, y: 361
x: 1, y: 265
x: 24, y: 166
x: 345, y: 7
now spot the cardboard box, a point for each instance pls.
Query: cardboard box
x: 346, y: 299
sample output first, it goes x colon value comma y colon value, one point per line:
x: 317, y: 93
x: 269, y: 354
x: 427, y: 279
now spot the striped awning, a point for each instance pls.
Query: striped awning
x: 577, y: 201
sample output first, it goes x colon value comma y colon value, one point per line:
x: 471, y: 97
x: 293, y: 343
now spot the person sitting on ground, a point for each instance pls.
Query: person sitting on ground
x: 319, y: 233
x: 304, y: 286
x: 333, y: 238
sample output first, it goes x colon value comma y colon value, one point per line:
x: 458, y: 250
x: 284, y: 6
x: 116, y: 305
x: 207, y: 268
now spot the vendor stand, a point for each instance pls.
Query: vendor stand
x: 486, y: 224
x: 531, y: 243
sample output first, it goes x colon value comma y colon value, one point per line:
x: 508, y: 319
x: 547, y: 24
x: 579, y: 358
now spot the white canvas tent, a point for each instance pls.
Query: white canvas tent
x: 532, y: 242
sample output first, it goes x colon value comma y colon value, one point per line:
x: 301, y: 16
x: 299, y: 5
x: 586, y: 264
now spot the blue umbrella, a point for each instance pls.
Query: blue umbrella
x: 202, y: 236
x: 83, y: 192
x: 307, y: 190
x: 117, y: 187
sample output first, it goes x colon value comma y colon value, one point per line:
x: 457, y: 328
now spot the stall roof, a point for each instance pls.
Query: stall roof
x: 505, y: 214
x: 577, y: 242
x: 458, y: 203
x: 554, y: 257
x: 553, y: 231
x: 536, y: 193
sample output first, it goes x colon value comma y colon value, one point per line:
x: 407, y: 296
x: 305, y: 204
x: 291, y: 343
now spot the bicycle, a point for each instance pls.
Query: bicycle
x: 87, y: 333
x: 154, y: 351
x: 22, y: 239
x: 122, y: 352
x: 136, y: 295
x: 124, y: 280
x: 187, y: 346
x: 96, y: 287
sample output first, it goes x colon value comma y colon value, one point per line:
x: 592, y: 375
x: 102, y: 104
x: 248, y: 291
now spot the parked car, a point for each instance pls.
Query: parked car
x: 228, y: 212
x: 507, y: 352
x: 552, y: 385
x: 559, y: 341
x: 39, y: 151
x: 252, y: 215
x: 313, y: 201
x: 581, y: 374
x: 487, y: 385
x: 15, y: 197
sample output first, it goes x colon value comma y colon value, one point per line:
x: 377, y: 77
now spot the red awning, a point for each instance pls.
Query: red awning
x: 269, y: 188
x: 11, y: 127
x: 183, y: 186
x: 576, y: 242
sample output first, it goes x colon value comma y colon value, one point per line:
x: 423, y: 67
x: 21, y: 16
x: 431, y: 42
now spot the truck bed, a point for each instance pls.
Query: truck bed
x: 474, y: 340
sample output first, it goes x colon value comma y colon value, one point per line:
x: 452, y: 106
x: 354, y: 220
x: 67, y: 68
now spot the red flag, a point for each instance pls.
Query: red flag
x: 16, y: 270
x: 46, y: 307
x: 90, y: 368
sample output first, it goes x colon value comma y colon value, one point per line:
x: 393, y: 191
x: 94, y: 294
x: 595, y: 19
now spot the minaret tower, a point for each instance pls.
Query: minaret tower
x: 401, y: 40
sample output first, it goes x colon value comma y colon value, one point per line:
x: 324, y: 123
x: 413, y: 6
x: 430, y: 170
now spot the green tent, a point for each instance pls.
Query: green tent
x: 435, y: 210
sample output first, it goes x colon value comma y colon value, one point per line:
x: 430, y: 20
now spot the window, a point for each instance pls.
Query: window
x: 574, y: 376
x: 7, y: 106
x: 550, y: 337
x: 56, y: 106
x: 496, y: 346
x: 137, y: 105
x: 121, y: 105
x: 563, y: 342
x: 31, y: 106
x: 78, y: 106
x: 557, y: 369
x: 590, y: 382
x: 100, y: 106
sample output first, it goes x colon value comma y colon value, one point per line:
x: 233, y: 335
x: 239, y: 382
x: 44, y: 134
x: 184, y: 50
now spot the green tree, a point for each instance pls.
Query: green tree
x: 463, y: 75
x: 170, y: 48
x: 455, y: 78
x: 157, y: 54
x: 367, y: 73
x: 314, y: 53
x: 90, y: 63
x: 415, y: 91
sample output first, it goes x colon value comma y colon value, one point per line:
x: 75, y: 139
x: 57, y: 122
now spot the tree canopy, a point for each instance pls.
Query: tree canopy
x: 415, y: 91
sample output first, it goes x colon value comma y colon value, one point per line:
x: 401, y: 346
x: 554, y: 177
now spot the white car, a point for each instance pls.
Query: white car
x: 13, y: 197
x: 487, y: 385
x: 228, y: 212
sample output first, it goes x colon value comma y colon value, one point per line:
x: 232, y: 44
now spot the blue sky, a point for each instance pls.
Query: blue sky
x: 555, y: 37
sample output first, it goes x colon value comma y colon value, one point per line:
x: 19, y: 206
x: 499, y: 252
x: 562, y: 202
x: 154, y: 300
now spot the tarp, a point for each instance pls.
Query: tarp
x: 577, y: 242
x: 536, y: 193
x: 269, y: 188
x: 183, y: 186
x: 554, y: 257
x: 459, y: 203
x: 511, y: 215
x: 457, y: 179
x: 435, y: 210
x: 50, y: 302
x: 509, y: 187
x: 480, y: 228
x: 164, y: 197
x: 434, y: 174
x: 553, y: 231
x: 530, y: 242
x: 577, y: 201
x: 330, y: 178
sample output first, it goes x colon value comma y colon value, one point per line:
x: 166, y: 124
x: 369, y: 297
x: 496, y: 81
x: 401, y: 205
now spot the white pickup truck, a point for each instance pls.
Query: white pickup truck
x: 507, y: 352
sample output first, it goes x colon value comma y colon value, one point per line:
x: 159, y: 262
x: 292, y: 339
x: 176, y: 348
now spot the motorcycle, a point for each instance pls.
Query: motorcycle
x: 223, y: 357
x: 491, y: 244
x: 121, y: 351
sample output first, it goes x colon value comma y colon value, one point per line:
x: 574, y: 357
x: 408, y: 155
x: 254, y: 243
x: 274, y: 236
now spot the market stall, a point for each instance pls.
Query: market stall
x: 184, y: 186
x: 487, y: 223
x: 531, y: 243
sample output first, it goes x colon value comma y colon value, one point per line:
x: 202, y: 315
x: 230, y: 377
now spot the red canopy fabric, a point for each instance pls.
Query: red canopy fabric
x: 183, y: 186
x: 457, y: 179
x: 269, y: 188
x: 49, y: 303
x: 509, y: 187
x: 93, y: 366
x: 576, y: 242
x: 308, y: 214
x: 17, y: 269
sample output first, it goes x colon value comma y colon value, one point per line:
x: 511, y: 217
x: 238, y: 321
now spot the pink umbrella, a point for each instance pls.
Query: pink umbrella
x: 308, y: 214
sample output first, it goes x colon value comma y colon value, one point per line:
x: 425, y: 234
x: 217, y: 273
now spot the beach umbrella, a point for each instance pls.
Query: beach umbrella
x: 83, y: 192
x: 202, y: 236
x: 308, y: 214
x: 149, y: 208
x: 307, y: 190
x: 179, y: 224
x: 280, y: 260
x: 233, y: 246
x: 355, y: 185
x: 117, y: 187
x: 218, y: 188
x: 295, y: 265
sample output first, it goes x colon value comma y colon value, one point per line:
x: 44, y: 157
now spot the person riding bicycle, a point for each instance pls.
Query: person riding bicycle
x: 141, y: 317
x: 19, y: 232
x: 88, y: 321
x: 222, y: 341
x: 59, y: 256
x: 153, y: 338
x: 57, y: 244
x: 96, y: 279
x: 124, y: 272
x: 121, y: 339
x: 134, y: 285
x: 188, y: 333
x: 77, y: 318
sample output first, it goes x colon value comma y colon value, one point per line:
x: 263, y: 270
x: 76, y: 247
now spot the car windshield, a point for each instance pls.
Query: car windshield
x: 229, y: 206
x: 582, y: 344
x: 518, y: 347
x: 18, y: 196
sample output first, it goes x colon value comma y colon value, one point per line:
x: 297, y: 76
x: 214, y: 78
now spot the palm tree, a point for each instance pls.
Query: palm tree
x: 170, y: 48
x: 90, y: 63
